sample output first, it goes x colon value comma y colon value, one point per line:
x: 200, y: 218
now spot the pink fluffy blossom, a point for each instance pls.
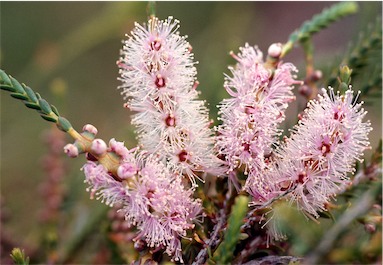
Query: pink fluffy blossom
x: 151, y: 197
x: 315, y: 160
x: 250, y: 118
x: 158, y: 75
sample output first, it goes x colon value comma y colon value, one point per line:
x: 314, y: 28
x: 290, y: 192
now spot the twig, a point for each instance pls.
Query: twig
x: 214, y: 239
x: 250, y: 218
x: 274, y: 260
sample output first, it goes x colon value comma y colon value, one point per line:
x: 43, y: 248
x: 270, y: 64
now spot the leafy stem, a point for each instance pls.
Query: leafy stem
x: 225, y: 250
x: 319, y: 22
x: 34, y: 101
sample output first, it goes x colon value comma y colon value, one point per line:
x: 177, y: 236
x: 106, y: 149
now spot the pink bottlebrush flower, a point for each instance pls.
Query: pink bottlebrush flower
x: 250, y: 118
x: 322, y: 149
x: 161, y: 207
x: 152, y: 198
x: 156, y: 62
x: 158, y: 75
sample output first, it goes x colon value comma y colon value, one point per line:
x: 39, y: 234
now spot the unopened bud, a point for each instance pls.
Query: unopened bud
x: 275, y: 50
x: 126, y: 170
x: 305, y: 91
x: 118, y: 147
x: 71, y: 150
x: 317, y: 75
x: 370, y: 228
x: 90, y: 129
x: 98, y: 147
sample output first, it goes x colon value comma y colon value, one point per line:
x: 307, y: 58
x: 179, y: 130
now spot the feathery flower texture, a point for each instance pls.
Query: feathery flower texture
x: 250, y: 118
x: 158, y: 75
x: 322, y: 149
x: 311, y: 166
x: 149, y: 196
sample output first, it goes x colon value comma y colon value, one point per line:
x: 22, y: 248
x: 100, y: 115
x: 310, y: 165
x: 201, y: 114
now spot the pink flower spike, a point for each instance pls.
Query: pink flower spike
x: 158, y: 77
x: 250, y: 118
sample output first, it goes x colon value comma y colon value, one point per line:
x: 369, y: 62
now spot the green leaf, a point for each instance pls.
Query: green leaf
x: 17, y: 86
x: 48, y: 118
x: 19, y: 96
x: 32, y: 105
x: 31, y: 94
x: 63, y: 124
x: 45, y: 107
x: 8, y: 88
x: 4, y: 79
x: 224, y: 253
x: 55, y: 110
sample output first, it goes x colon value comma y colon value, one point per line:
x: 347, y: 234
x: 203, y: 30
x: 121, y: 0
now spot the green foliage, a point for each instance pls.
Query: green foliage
x: 319, y: 22
x: 224, y: 253
x: 18, y: 257
x: 360, y: 57
x: 33, y: 101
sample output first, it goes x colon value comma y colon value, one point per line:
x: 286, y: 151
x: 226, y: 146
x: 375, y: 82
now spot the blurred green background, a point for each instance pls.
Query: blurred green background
x: 67, y: 51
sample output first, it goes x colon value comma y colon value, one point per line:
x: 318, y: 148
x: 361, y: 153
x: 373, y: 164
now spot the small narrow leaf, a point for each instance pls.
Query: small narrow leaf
x: 55, y: 110
x: 38, y: 96
x: 4, y: 78
x: 31, y: 94
x: 63, y: 124
x: 17, y: 86
x: 224, y: 253
x: 8, y: 88
x: 19, y: 96
x: 32, y: 105
x: 45, y: 107
x: 48, y: 118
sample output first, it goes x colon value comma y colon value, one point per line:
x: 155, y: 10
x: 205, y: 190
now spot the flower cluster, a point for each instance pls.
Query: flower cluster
x: 314, y: 161
x: 146, y: 192
x: 158, y: 75
x: 150, y: 197
x: 250, y: 118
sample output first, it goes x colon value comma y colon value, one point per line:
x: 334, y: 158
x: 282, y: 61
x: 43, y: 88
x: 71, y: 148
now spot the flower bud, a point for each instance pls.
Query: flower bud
x: 90, y: 129
x: 370, y: 228
x: 317, y: 75
x: 71, y: 150
x: 118, y: 147
x: 275, y: 50
x: 98, y: 147
x: 305, y: 91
